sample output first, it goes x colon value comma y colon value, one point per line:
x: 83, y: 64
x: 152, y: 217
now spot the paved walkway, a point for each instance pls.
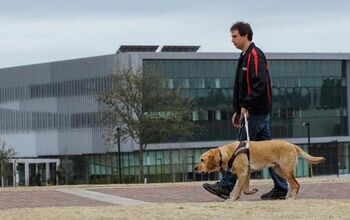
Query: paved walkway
x: 107, y: 195
x: 103, y: 197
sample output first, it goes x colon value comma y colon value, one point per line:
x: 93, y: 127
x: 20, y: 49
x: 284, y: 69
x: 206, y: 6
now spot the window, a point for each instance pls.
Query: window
x: 185, y: 83
x: 217, y: 115
x: 200, y: 84
x: 195, y: 116
x: 217, y: 83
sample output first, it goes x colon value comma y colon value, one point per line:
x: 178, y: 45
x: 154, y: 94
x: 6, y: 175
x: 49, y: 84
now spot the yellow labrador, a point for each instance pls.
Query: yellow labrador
x: 280, y: 155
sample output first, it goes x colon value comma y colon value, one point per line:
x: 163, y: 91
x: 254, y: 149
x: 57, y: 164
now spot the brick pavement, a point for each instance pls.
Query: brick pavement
x: 198, y: 194
x: 156, y: 193
x: 43, y: 198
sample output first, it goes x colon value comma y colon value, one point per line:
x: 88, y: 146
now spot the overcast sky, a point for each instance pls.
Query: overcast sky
x: 40, y: 31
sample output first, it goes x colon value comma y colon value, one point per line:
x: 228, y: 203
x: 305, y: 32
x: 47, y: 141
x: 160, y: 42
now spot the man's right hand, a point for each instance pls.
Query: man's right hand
x: 235, y: 120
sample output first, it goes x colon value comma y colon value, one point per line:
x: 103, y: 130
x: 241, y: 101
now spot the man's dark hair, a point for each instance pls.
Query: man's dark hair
x: 243, y: 29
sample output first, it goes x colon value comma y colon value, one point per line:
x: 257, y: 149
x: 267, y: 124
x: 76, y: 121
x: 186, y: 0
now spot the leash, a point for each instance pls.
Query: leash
x: 243, y: 146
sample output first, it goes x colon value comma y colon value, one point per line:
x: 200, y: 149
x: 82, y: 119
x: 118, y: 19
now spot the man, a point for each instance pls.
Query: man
x: 251, y: 95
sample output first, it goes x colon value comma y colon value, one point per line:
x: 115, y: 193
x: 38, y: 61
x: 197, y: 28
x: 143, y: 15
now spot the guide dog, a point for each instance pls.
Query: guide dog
x: 278, y: 154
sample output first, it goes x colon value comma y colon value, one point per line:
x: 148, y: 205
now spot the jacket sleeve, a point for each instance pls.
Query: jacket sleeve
x: 256, y: 79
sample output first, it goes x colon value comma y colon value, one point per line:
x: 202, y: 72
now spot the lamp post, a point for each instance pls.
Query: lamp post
x: 307, y: 124
x: 161, y: 166
x: 119, y: 155
x: 192, y: 167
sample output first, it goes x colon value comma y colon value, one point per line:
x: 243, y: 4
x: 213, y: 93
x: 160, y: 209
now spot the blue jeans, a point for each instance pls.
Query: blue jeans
x: 259, y: 129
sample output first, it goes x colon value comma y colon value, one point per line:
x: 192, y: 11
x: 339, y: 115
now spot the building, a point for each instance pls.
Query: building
x: 49, y: 111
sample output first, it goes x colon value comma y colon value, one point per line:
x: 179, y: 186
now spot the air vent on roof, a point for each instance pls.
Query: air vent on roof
x: 137, y: 48
x: 169, y: 48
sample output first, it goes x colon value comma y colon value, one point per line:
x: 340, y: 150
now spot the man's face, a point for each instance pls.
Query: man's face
x: 238, y: 40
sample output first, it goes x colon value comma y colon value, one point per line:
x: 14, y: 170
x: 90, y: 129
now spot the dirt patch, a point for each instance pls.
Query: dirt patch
x: 290, y: 209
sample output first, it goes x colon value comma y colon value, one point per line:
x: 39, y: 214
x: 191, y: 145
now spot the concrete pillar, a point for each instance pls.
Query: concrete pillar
x: 26, y: 173
x: 57, y: 164
x: 347, y: 69
x: 14, y: 173
x: 47, y: 169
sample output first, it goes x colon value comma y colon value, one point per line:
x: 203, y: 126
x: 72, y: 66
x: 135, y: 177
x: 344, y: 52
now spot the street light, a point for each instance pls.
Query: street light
x: 307, y: 124
x: 192, y: 166
x: 119, y: 155
x: 161, y: 166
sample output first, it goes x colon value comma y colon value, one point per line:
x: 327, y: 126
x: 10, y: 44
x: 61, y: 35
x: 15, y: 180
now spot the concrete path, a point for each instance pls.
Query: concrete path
x: 116, y: 200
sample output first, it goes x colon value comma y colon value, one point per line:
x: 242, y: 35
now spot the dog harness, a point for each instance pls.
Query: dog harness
x: 242, y: 148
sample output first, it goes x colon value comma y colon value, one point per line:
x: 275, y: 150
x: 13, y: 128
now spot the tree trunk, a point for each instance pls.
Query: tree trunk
x: 141, y: 176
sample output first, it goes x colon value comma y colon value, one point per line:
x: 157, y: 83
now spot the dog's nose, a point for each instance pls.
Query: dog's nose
x: 195, y: 168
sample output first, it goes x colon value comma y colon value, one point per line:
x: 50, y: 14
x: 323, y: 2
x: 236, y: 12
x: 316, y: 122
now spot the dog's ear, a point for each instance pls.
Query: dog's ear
x: 212, y: 163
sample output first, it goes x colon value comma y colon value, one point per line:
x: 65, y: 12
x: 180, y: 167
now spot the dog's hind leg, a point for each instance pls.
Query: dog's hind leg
x: 282, y: 174
x: 296, y: 186
x: 288, y: 174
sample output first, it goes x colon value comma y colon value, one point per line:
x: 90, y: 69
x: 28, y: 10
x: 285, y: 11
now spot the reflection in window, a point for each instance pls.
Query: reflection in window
x: 195, y: 116
x: 217, y: 115
x: 217, y: 83
x: 185, y: 83
x: 170, y: 83
x: 203, y: 115
x: 200, y: 84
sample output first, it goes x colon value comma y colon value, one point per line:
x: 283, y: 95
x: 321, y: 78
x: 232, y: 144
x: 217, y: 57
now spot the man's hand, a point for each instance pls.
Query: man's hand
x: 244, y: 111
x: 235, y: 120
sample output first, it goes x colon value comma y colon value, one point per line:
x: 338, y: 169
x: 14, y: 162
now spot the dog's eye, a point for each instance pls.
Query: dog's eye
x: 202, y: 160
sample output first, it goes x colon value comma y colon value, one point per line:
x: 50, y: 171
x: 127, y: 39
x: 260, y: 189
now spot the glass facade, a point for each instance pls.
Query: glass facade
x: 302, y: 90
x: 177, y: 165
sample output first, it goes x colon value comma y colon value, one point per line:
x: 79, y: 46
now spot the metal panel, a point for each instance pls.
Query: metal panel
x: 47, y: 143
x: 137, y: 48
x: 348, y: 91
x: 24, y: 144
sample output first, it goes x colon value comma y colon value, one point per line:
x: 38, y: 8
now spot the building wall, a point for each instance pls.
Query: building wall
x: 49, y: 110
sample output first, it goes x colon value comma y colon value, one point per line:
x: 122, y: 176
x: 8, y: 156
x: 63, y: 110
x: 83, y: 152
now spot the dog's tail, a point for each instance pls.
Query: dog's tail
x: 308, y: 157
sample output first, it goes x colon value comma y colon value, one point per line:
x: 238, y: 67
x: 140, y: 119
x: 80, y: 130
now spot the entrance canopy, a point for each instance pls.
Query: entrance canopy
x: 36, y: 161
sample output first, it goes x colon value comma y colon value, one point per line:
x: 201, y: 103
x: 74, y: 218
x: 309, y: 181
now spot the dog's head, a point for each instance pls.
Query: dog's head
x: 209, y: 162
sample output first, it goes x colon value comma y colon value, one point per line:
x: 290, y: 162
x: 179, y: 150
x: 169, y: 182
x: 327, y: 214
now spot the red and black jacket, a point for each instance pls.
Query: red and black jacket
x: 252, y: 87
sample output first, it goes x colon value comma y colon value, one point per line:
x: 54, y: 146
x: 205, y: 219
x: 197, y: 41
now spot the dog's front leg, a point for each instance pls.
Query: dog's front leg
x: 246, y: 190
x: 238, y: 188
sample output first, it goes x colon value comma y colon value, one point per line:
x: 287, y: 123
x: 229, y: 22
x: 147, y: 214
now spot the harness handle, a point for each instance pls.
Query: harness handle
x: 246, y: 127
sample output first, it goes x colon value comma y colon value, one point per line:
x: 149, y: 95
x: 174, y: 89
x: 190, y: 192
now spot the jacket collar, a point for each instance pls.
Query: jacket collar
x: 248, y: 50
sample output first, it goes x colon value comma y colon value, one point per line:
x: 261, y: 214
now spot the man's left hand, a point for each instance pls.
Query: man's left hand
x: 244, y: 111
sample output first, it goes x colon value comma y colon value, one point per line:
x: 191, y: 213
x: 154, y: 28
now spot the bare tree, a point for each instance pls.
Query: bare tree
x: 6, y: 153
x: 143, y: 107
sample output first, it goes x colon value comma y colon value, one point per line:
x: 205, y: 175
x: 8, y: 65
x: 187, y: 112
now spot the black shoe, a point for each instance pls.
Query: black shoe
x: 218, y: 190
x: 274, y: 194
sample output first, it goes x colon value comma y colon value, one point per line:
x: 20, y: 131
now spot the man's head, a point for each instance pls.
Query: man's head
x: 242, y: 35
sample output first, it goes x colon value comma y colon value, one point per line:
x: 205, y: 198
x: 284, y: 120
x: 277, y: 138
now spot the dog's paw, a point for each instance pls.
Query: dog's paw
x: 231, y: 199
x: 255, y: 190
x: 250, y: 192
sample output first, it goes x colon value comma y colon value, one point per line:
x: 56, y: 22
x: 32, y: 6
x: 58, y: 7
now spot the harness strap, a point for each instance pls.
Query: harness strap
x: 220, y: 163
x: 240, y: 149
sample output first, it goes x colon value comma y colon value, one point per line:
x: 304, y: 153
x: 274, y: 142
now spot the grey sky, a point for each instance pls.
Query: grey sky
x: 39, y: 31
